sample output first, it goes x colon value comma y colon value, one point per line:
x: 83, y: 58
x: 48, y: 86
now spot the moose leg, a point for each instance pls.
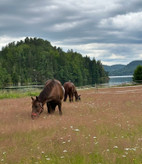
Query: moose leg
x: 65, y: 96
x: 53, y: 106
x: 48, y: 107
x: 70, y: 99
x: 59, y: 106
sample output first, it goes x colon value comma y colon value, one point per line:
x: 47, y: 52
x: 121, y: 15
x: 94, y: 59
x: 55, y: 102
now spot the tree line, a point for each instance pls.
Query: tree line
x: 35, y: 60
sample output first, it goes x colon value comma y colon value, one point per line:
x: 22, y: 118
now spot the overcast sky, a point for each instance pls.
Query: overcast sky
x: 110, y: 31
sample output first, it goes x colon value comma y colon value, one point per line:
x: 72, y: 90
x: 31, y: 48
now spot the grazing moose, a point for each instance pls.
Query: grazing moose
x: 52, y: 94
x: 70, y: 91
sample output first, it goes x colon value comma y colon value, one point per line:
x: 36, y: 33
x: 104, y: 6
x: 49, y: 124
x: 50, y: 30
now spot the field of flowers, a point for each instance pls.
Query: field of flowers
x: 105, y: 127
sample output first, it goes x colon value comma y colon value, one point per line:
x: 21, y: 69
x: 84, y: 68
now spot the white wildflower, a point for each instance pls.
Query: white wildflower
x: 123, y: 156
x: 134, y: 149
x: 76, y: 130
x: 115, y: 147
x: 2, y: 160
x: 65, y: 151
x: 127, y: 149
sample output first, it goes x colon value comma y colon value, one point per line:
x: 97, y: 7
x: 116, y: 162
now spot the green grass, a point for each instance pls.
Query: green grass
x: 44, y: 146
x: 18, y: 94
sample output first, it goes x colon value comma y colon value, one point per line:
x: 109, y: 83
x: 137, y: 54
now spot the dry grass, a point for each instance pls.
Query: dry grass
x: 105, y: 127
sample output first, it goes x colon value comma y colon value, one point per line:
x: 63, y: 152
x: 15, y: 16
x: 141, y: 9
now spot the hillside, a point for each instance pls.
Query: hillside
x: 119, y: 70
x: 113, y: 67
x: 35, y: 60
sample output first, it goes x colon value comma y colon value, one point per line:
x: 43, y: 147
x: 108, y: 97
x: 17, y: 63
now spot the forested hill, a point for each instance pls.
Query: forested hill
x: 119, y: 70
x: 113, y: 68
x: 35, y: 60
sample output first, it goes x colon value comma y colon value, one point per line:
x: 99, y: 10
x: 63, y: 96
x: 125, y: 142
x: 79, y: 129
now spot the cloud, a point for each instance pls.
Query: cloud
x: 114, y: 56
x: 106, y: 30
x: 140, y: 55
x: 128, y: 22
x: 66, y: 26
x: 4, y: 40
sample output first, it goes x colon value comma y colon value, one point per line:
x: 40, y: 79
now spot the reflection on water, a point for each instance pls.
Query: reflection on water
x: 118, y: 80
x: 114, y: 80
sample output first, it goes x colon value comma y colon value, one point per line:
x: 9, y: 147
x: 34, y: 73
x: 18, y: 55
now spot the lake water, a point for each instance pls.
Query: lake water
x: 114, y: 80
x: 118, y: 80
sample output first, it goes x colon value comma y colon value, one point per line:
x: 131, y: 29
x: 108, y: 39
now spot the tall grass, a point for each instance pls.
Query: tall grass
x: 104, y: 128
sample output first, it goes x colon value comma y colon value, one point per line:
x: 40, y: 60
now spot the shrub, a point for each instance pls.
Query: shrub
x: 137, y: 76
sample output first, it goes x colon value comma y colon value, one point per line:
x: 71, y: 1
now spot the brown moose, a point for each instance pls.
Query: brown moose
x: 52, y: 94
x: 70, y: 90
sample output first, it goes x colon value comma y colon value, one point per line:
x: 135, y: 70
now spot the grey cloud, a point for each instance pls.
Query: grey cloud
x: 75, y: 23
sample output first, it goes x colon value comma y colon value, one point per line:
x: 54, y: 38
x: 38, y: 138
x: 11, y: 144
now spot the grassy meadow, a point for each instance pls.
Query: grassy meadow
x: 105, y: 127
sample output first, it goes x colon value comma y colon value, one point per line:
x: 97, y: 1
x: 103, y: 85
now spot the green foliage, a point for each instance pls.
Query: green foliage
x: 4, y: 77
x: 36, y: 60
x: 17, y: 94
x: 137, y: 76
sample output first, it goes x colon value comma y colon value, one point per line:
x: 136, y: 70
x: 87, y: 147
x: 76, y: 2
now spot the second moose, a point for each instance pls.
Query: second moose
x: 70, y: 90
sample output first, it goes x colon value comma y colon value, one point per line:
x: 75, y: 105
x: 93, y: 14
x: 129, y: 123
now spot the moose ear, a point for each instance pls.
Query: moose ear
x: 36, y: 98
x: 32, y: 98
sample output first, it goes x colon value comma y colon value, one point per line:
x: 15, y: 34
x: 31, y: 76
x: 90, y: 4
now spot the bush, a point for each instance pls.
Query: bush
x: 137, y: 76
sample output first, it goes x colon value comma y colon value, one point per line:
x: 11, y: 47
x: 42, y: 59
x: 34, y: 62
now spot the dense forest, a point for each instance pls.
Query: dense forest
x: 35, y: 60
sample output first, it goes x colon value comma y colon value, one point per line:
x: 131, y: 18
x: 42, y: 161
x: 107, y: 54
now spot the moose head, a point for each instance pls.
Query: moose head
x: 37, y: 107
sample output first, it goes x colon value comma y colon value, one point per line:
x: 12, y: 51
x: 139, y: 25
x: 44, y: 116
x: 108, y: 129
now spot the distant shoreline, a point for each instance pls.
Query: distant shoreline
x: 123, y: 76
